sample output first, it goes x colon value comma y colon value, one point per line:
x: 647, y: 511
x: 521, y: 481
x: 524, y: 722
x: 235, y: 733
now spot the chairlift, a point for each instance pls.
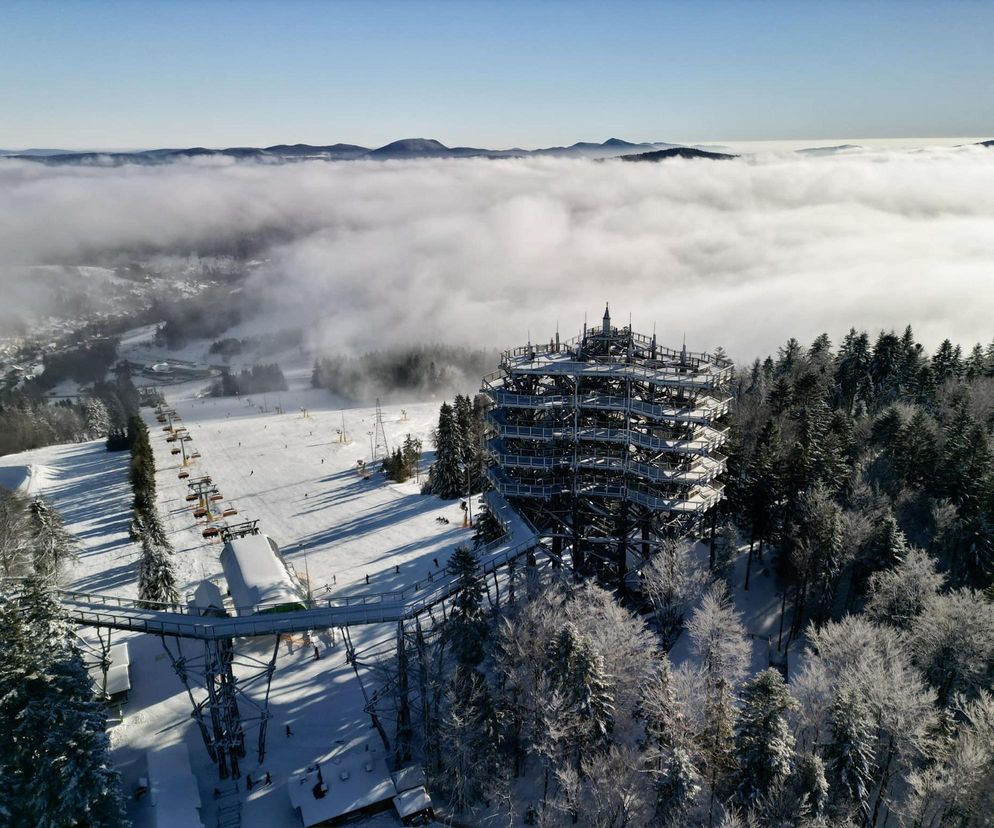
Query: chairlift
x: 195, y: 455
x: 174, y: 451
x: 192, y: 498
x: 199, y: 512
x: 171, y: 439
x: 167, y: 428
x: 183, y: 474
x: 214, y: 498
x: 211, y: 532
x: 229, y: 512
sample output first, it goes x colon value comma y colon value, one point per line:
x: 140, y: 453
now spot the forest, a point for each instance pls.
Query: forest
x: 258, y: 379
x: 419, y: 371
x: 861, y: 478
x: 29, y: 421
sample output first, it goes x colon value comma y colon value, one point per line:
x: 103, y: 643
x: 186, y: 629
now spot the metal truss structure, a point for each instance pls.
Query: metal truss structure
x: 608, y: 443
x: 222, y: 724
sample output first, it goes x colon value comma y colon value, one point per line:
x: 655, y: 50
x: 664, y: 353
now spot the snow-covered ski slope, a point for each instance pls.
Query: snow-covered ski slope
x: 269, y: 466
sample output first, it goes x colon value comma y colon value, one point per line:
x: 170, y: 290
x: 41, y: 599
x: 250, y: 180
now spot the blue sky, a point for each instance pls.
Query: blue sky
x: 133, y: 74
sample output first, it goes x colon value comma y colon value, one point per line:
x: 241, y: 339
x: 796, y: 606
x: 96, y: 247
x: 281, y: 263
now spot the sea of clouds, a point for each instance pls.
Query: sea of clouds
x: 741, y: 253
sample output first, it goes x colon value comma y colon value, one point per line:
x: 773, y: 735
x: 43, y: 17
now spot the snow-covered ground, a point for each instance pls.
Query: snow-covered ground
x: 292, y: 473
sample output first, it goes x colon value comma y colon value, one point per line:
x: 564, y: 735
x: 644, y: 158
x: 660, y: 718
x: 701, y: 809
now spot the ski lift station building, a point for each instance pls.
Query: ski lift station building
x: 608, y: 443
x: 258, y: 578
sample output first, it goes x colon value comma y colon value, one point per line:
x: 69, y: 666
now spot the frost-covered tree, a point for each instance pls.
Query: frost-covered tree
x: 608, y: 790
x: 577, y: 671
x: 957, y: 787
x: 156, y: 579
x: 811, y: 784
x: 900, y: 594
x: 15, y: 551
x: 673, y: 584
x: 952, y: 641
x: 722, y: 651
x: 468, y: 739
x: 445, y: 477
x: 55, y: 769
x: 97, y: 418
x: 850, y: 752
x: 667, y: 748
x: 764, y: 745
x: 52, y: 544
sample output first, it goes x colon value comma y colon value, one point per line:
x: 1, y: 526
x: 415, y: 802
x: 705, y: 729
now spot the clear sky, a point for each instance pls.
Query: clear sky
x: 497, y: 74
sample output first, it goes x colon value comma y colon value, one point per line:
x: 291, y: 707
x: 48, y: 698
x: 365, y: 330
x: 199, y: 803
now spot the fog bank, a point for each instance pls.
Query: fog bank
x: 739, y: 253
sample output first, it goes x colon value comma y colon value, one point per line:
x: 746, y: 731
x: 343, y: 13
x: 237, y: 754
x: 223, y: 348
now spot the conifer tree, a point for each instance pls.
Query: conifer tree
x: 577, y: 670
x: 667, y: 748
x: 469, y: 739
x: 850, y: 753
x: 53, y: 545
x: 445, y: 477
x: 55, y: 769
x: 764, y: 745
x: 467, y: 628
x: 156, y: 580
x: 488, y: 528
x: 411, y: 454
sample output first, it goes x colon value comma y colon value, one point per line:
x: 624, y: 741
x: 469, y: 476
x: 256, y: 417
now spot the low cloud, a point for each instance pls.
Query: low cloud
x: 737, y: 253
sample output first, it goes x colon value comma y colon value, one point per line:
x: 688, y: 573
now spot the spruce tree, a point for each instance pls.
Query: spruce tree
x: 667, y: 748
x: 156, y: 580
x: 446, y: 478
x: 55, y: 769
x: 467, y: 628
x: 850, y: 752
x: 488, y: 528
x: 577, y: 671
x: 54, y: 546
x: 764, y: 745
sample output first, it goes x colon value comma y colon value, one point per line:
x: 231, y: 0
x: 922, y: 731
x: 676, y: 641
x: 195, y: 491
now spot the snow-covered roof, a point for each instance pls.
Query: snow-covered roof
x: 412, y: 776
x: 257, y: 577
x: 173, y: 792
x: 412, y: 802
x: 354, y: 780
x: 118, y: 673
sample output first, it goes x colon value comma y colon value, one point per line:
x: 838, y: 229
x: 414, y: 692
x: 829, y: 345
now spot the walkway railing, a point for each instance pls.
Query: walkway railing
x: 334, y: 611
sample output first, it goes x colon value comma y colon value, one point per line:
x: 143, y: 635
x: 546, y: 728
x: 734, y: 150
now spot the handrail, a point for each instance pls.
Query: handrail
x: 704, y: 413
x: 657, y: 376
x: 705, y: 469
x: 176, y: 619
x: 706, y: 440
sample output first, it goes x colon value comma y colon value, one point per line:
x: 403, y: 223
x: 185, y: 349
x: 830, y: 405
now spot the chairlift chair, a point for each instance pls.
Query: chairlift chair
x: 183, y: 474
x: 174, y: 451
x: 229, y: 512
x: 192, y: 498
x: 211, y: 532
x: 199, y: 512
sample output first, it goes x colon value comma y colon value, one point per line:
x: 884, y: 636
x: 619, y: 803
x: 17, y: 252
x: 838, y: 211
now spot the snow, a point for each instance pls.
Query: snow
x: 26, y: 480
x: 412, y: 802
x: 172, y: 789
x: 118, y: 672
x: 256, y: 576
x: 330, y: 524
x: 352, y: 780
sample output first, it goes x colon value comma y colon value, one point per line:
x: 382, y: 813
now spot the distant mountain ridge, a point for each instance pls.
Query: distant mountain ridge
x: 405, y: 148
x: 677, y: 152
